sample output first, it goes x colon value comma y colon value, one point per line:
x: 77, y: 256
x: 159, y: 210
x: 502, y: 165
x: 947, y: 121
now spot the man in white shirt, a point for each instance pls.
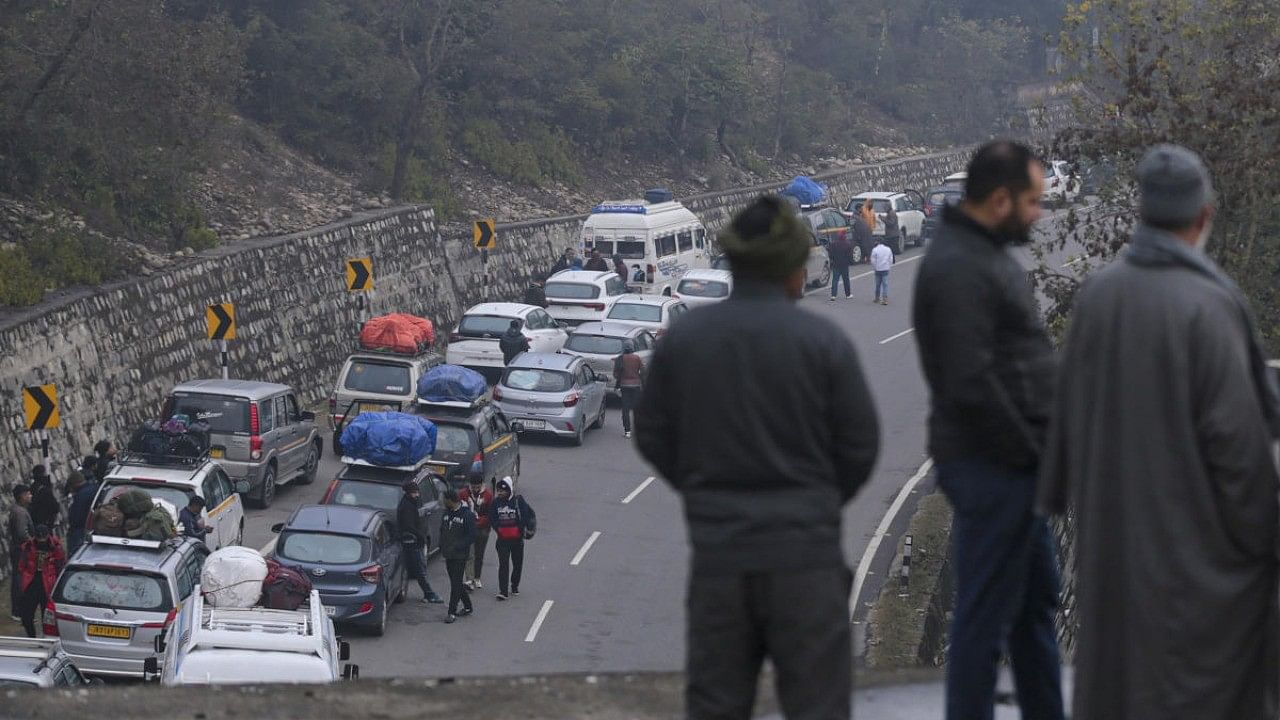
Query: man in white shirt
x: 881, y: 261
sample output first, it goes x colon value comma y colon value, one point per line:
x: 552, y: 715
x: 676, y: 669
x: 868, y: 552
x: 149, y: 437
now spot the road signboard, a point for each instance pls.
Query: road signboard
x: 40, y: 406
x: 221, y: 318
x: 359, y: 274
x: 483, y: 235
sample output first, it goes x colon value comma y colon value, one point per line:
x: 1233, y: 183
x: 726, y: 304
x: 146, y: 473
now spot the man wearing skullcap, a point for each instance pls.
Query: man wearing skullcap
x: 758, y: 414
x: 1163, y: 442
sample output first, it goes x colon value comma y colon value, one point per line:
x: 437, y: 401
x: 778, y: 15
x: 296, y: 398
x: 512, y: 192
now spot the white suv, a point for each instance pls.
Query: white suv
x: 225, y: 646
x: 1061, y: 186
x: 578, y: 296
x: 910, y: 215
x: 474, y: 342
x: 175, y: 480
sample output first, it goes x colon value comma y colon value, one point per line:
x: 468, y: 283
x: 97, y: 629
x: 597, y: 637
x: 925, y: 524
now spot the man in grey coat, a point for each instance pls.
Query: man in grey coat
x: 1163, y: 441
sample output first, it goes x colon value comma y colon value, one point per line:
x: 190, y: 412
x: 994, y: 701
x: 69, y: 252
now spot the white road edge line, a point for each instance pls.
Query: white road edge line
x: 868, y: 273
x: 627, y: 500
x: 266, y: 549
x: 585, y: 547
x: 891, y: 338
x: 864, y: 565
x: 537, y: 622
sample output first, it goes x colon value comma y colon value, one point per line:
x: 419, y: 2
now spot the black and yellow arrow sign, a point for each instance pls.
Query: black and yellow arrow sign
x: 40, y: 405
x: 222, y: 321
x: 483, y: 236
x: 360, y: 274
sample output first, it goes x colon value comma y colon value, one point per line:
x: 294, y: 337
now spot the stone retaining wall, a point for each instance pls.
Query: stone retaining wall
x: 114, y: 351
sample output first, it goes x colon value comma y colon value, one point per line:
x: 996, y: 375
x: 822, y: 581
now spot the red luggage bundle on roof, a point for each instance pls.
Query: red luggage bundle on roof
x: 398, y: 332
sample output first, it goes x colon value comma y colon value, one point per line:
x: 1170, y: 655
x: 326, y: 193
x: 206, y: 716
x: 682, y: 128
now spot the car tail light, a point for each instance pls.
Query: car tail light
x: 168, y: 620
x: 50, y: 622
x: 255, y: 440
x: 571, y: 400
x: 365, y: 608
x: 328, y: 493
x: 477, y: 460
x: 598, y: 307
x: 371, y: 574
x: 497, y: 393
x: 928, y: 210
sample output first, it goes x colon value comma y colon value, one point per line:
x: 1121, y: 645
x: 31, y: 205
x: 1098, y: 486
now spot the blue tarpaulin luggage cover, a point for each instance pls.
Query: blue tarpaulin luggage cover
x: 806, y: 190
x: 389, y: 438
x: 451, y: 383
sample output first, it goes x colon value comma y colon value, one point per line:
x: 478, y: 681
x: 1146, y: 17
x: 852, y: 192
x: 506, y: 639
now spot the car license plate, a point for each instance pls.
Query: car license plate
x: 371, y: 407
x: 534, y: 424
x: 217, y: 453
x: 109, y: 631
x: 440, y: 470
x: 330, y: 610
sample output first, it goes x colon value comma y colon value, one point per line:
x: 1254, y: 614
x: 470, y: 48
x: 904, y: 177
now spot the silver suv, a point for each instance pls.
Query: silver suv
x: 31, y: 662
x: 374, y: 380
x: 258, y: 432
x: 117, y: 595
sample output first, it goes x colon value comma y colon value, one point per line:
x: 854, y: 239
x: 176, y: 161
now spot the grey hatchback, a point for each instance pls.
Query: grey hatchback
x: 600, y: 343
x: 553, y: 393
x: 31, y: 663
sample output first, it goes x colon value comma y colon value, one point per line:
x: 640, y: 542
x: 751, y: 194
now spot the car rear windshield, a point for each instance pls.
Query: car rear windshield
x: 478, y: 326
x: 703, y: 288
x: 314, y: 547
x: 118, y: 589
x: 876, y: 205
x: 572, y: 291
x: 938, y: 199
x: 176, y: 496
x: 534, y: 380
x: 224, y: 414
x: 452, y: 439
x: 636, y: 311
x: 382, y: 496
x: 378, y: 377
x: 595, y: 344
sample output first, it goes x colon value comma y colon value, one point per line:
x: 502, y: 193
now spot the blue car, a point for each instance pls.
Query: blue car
x: 351, y: 555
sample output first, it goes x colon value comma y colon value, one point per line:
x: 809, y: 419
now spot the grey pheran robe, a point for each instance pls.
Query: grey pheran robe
x: 1161, y: 441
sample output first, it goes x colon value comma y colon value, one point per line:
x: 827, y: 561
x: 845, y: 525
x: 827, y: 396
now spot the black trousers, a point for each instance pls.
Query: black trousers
x: 33, y: 601
x: 457, y: 591
x: 415, y: 563
x: 630, y: 399
x: 799, y: 620
x: 510, y: 564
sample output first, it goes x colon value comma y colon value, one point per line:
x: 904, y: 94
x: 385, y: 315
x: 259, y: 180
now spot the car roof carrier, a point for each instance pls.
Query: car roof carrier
x: 348, y: 460
x: 127, y: 541
x: 455, y: 404
x: 130, y: 457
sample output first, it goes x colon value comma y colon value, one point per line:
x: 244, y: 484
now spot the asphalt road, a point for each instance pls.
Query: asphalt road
x: 618, y: 604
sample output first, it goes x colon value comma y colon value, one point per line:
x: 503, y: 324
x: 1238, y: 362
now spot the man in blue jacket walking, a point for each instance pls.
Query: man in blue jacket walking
x: 457, y: 536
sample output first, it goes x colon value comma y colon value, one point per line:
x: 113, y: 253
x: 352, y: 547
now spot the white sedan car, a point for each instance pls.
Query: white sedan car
x: 704, y: 287
x: 474, y: 343
x: 578, y: 296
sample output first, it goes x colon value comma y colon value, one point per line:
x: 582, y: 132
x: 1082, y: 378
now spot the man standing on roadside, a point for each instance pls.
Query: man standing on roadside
x: 596, y: 262
x: 21, y: 529
x: 457, y: 536
x: 1162, y: 440
x: 628, y: 373
x: 480, y: 499
x: 81, y: 494
x: 882, y: 263
x: 513, y: 342
x: 840, y: 253
x: 989, y: 366
x: 413, y: 540
x: 564, y: 262
x: 758, y: 414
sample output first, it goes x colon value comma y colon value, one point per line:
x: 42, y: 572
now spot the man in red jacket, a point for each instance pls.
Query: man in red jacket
x: 480, y: 498
x: 42, y: 559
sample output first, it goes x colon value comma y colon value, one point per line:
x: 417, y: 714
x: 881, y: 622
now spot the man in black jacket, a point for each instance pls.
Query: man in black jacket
x: 758, y: 414
x: 990, y: 368
x: 414, y: 540
x: 512, y: 343
x: 457, y: 535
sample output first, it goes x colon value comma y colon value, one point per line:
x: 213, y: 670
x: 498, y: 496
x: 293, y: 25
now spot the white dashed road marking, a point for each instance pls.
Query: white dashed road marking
x: 627, y: 500
x: 586, y: 546
x: 891, y: 338
x: 537, y: 622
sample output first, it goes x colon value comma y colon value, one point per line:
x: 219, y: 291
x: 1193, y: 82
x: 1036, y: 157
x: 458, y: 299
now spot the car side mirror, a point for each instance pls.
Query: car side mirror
x: 308, y: 416
x: 277, y: 528
x: 344, y: 651
x: 350, y: 672
x: 242, y: 487
x: 159, y: 644
x: 150, y: 667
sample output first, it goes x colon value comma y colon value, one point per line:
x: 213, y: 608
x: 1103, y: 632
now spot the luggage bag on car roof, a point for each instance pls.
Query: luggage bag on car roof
x: 398, y: 332
x: 389, y: 438
x: 451, y: 383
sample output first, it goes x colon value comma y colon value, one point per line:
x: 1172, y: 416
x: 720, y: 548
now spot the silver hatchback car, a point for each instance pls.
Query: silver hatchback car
x: 601, y: 343
x: 117, y: 595
x: 32, y: 663
x: 553, y: 393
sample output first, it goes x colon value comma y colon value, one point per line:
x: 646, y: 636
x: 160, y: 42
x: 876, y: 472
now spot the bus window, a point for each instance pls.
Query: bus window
x: 665, y: 245
x: 686, y: 241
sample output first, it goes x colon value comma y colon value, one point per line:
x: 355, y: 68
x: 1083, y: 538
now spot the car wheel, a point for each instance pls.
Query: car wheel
x: 826, y: 274
x: 404, y: 586
x: 380, y: 628
x: 240, y: 535
x: 312, y: 467
x: 580, y: 434
x: 900, y: 245
x: 266, y: 493
x: 857, y: 254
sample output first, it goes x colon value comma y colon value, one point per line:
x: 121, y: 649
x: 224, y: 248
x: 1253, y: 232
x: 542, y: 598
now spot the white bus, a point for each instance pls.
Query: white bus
x: 659, y: 239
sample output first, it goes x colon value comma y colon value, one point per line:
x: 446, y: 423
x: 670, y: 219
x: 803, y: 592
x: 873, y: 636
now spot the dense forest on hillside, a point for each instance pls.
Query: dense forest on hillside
x: 107, y: 107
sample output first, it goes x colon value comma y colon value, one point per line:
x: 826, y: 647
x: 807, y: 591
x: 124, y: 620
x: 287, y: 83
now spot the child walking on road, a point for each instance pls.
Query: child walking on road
x: 881, y: 261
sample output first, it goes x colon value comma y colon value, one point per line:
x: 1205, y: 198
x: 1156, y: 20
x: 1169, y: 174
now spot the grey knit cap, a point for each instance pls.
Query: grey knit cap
x: 1173, y: 185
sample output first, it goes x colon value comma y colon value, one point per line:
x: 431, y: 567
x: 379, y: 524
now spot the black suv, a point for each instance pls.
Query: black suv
x: 374, y: 486
x: 935, y: 199
x: 471, y: 437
